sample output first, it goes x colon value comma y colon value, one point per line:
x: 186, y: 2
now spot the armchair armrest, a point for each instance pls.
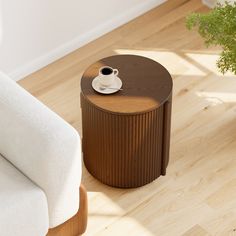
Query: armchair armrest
x: 42, y: 146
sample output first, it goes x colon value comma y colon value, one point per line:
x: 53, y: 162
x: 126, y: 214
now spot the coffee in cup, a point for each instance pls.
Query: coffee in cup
x: 107, y: 75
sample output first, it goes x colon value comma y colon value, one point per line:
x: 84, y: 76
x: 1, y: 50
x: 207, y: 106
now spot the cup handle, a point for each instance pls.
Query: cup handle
x: 116, y: 72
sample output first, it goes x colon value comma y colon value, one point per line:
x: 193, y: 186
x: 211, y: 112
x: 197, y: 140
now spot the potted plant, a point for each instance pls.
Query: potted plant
x: 218, y: 27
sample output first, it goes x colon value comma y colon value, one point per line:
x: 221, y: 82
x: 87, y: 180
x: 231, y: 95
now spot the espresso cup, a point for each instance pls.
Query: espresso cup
x: 107, y: 75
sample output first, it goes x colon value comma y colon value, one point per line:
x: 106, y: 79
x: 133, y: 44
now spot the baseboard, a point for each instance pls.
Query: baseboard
x: 82, y: 40
x: 209, y: 3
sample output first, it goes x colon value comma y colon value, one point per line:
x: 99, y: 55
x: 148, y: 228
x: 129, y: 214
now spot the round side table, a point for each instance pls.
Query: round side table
x: 126, y: 135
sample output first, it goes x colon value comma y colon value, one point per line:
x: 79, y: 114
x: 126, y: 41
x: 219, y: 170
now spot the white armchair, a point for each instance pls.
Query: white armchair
x: 40, y: 165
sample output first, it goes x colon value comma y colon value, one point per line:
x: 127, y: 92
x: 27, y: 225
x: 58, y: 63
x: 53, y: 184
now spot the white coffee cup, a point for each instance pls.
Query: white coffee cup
x: 107, y: 75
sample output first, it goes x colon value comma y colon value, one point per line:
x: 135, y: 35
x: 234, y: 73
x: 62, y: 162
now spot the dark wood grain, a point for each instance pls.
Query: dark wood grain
x: 146, y: 85
x: 126, y: 136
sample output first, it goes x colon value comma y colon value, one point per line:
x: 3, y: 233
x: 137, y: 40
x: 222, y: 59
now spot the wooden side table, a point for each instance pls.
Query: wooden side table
x: 126, y: 135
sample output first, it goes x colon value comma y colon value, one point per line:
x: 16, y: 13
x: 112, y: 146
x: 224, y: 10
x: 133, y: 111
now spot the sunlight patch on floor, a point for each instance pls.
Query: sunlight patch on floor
x: 107, y: 213
x: 102, y: 212
x: 216, y: 98
x: 174, y: 63
x: 106, y: 206
x: 126, y: 226
x: 207, y: 61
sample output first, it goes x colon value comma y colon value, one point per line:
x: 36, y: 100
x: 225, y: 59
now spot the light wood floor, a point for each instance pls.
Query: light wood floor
x: 198, y: 194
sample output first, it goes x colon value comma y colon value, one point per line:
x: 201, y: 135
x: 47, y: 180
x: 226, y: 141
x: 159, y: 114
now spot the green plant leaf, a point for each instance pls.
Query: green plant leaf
x: 218, y: 27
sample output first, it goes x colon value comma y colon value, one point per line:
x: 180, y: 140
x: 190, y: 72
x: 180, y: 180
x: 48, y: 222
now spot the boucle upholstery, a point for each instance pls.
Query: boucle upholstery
x: 24, y: 210
x: 42, y: 146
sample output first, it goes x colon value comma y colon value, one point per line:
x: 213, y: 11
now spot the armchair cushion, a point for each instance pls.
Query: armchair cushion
x: 19, y: 200
x: 42, y: 146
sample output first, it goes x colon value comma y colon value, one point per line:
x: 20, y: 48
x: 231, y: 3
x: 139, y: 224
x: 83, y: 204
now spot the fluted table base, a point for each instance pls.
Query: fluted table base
x: 126, y: 150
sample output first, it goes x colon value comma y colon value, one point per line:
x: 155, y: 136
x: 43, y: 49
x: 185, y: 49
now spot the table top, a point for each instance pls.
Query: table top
x: 146, y: 85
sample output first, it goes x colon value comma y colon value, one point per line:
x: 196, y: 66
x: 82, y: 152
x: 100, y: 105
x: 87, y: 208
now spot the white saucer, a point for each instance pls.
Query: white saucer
x: 116, y: 85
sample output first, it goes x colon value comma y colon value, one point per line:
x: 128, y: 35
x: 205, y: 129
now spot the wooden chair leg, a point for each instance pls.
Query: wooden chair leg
x: 78, y: 223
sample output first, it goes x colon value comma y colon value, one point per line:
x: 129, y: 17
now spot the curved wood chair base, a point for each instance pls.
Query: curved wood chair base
x: 78, y: 223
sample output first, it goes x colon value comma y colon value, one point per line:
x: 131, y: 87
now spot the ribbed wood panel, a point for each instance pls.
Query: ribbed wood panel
x: 126, y: 135
x: 125, y: 150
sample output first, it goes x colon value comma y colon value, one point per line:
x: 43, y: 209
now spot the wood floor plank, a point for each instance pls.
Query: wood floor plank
x: 196, y: 231
x: 222, y: 223
x: 224, y: 196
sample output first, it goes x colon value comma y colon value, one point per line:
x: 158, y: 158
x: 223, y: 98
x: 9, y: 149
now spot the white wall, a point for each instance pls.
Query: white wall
x: 34, y: 33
